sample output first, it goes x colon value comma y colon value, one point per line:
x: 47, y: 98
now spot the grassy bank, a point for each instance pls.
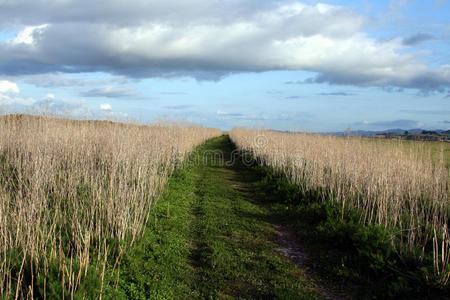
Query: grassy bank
x: 403, y: 194
x: 207, y: 240
x: 356, y: 257
x: 326, y: 198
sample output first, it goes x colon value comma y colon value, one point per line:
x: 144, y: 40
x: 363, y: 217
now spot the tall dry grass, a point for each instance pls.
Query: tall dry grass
x: 68, y: 187
x: 404, y: 190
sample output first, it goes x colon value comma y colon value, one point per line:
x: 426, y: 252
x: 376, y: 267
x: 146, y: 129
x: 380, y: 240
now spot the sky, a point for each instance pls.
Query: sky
x: 315, y: 66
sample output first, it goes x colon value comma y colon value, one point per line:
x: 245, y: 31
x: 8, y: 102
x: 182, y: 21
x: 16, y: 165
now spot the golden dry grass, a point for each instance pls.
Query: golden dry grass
x: 403, y: 189
x: 68, y: 186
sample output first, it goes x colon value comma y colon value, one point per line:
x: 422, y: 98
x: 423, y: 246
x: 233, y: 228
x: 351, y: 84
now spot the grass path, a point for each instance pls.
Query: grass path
x: 209, y: 239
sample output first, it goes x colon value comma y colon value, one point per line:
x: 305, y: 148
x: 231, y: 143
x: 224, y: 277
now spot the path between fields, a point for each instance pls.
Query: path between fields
x: 238, y: 250
x: 211, y: 237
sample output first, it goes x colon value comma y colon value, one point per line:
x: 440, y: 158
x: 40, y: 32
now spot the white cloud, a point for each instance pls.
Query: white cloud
x: 11, y: 97
x: 15, y: 100
x: 105, y: 106
x: 62, y: 105
x: 208, y: 40
x: 220, y: 112
x: 27, y: 34
x: 9, y: 94
x: 8, y: 86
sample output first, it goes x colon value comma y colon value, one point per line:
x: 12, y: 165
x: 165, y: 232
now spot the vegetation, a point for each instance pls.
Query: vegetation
x: 437, y: 151
x: 424, y: 135
x: 207, y: 240
x: 75, y: 195
x: 374, y: 198
x: 97, y: 209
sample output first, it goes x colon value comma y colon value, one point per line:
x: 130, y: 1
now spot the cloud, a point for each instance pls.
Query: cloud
x: 263, y: 116
x: 427, y: 112
x: 58, y: 79
x: 109, y: 92
x: 417, y: 39
x: 105, y: 106
x: 295, y: 82
x: 207, y: 40
x: 446, y: 122
x: 305, y: 81
x: 293, y: 97
x: 225, y: 114
x: 402, y: 123
x: 336, y: 94
x: 392, y: 89
x: 179, y: 107
x: 16, y: 100
x: 292, y: 116
x: 28, y: 34
x: 8, y: 86
x: 10, y: 95
x: 61, y: 105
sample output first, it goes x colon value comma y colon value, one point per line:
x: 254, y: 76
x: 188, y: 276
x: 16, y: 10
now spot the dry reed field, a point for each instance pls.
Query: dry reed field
x: 68, y: 188
x: 404, y: 190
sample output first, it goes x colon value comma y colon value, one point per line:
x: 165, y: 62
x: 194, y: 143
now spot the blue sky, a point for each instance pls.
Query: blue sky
x: 288, y: 65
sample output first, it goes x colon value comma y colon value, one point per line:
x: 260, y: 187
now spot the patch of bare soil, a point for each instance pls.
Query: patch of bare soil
x: 297, y: 253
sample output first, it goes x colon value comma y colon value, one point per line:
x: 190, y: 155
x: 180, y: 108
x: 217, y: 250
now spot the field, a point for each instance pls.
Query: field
x: 437, y: 151
x: 100, y: 209
x: 401, y: 186
x: 76, y: 194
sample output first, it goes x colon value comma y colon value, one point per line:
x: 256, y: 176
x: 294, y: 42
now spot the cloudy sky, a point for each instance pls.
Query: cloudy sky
x: 283, y: 64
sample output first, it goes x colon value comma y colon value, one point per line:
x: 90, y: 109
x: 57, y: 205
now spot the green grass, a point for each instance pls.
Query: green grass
x: 435, y: 149
x: 208, y: 240
x: 352, y: 256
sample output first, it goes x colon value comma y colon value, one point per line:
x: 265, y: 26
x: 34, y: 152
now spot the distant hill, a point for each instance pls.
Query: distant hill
x: 395, y: 130
x: 407, y: 134
x: 417, y: 134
